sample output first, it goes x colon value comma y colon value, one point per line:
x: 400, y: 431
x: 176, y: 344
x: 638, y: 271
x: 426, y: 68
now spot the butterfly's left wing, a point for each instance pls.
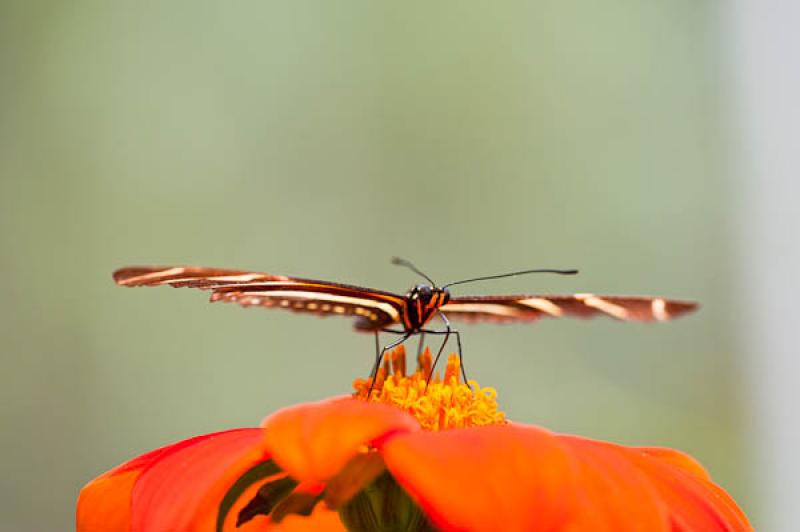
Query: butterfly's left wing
x: 508, y: 309
x: 373, y: 309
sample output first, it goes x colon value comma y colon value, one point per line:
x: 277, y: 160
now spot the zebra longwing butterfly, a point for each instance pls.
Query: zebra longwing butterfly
x: 377, y: 311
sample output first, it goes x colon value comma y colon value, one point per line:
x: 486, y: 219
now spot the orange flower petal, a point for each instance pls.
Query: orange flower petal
x: 479, y: 478
x: 677, y: 458
x: 612, y: 493
x: 694, y: 501
x: 183, y: 491
x: 313, y: 441
x: 105, y: 502
x: 321, y: 520
x: 177, y: 487
x: 530, y: 479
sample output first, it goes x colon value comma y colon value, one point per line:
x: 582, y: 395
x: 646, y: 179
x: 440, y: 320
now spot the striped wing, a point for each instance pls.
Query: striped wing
x: 507, y: 309
x: 372, y: 308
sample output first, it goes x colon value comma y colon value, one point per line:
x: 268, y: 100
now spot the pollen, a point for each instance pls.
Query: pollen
x: 443, y: 403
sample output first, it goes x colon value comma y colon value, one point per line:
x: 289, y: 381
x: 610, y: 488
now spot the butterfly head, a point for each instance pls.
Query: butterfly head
x: 428, y: 296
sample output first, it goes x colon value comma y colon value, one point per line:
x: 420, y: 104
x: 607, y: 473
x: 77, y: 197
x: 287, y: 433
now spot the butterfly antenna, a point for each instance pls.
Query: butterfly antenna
x: 403, y: 262
x: 512, y: 274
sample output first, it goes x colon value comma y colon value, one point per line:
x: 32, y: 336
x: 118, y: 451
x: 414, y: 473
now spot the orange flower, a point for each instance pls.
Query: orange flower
x: 414, y: 456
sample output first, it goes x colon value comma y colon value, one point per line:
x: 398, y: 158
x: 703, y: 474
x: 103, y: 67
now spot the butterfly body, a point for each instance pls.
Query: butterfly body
x: 422, y: 303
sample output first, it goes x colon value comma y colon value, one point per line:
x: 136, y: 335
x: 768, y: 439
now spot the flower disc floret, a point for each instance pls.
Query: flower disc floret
x: 437, y: 402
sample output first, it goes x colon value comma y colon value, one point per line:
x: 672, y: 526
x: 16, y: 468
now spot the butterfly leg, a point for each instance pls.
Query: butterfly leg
x: 458, y: 343
x: 379, y: 358
x: 461, y: 357
x: 378, y: 348
x: 447, y: 332
x: 421, y: 343
x: 438, y: 354
x: 377, y: 354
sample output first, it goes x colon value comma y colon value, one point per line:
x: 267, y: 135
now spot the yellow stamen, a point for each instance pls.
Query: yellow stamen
x: 441, y: 404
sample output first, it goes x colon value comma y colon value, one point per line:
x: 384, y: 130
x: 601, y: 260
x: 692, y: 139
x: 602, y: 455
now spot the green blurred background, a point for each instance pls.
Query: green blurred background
x: 319, y: 139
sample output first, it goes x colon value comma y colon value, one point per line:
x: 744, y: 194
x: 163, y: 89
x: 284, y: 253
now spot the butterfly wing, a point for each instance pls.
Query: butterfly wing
x: 373, y: 309
x: 507, y: 309
x: 189, y: 276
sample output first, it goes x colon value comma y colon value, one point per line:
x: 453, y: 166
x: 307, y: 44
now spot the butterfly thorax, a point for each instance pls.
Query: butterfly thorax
x: 422, y: 303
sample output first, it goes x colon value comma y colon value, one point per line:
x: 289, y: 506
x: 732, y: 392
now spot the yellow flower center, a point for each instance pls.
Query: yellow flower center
x: 442, y: 403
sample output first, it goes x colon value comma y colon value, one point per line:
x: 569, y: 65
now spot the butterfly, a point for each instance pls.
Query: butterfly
x: 405, y: 315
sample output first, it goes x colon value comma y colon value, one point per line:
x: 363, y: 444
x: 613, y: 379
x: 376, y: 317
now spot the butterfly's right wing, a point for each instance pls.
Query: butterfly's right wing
x: 373, y: 309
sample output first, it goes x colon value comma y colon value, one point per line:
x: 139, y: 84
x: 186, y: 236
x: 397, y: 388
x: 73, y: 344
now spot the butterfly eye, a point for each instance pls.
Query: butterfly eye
x: 425, y: 291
